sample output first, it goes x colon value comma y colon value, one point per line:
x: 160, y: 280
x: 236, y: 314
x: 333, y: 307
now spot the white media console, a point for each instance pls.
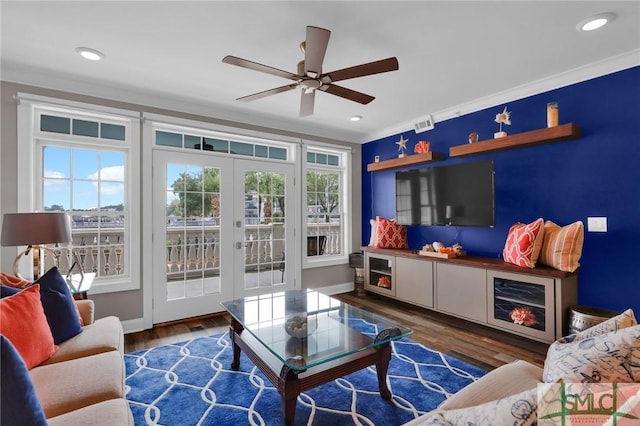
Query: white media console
x: 529, y: 302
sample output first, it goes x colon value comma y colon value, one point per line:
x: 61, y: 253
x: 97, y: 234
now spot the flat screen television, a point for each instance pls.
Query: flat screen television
x: 455, y: 195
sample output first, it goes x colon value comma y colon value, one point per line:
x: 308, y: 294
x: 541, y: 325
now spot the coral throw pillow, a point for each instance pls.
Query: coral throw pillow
x: 524, y: 242
x: 562, y: 246
x: 13, y: 281
x: 390, y: 234
x: 22, y: 321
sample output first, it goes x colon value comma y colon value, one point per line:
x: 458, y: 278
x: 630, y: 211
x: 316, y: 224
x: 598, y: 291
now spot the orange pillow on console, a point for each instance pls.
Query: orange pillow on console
x: 562, y: 246
x: 390, y: 234
x: 23, y: 322
x: 524, y: 242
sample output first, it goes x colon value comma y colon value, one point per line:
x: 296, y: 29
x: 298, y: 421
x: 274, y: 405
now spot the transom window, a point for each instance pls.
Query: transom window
x: 220, y: 145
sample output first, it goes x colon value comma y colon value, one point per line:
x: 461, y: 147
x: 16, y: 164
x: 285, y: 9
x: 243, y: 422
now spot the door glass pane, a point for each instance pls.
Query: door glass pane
x: 192, y: 231
x: 264, y: 244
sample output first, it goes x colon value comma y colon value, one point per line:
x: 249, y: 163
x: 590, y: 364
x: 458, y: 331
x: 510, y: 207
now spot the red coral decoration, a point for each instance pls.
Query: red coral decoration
x: 523, y: 316
x: 421, y: 147
x: 384, y: 282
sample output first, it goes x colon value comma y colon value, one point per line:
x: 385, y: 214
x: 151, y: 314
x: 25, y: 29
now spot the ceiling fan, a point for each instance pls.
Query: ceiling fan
x: 309, y: 75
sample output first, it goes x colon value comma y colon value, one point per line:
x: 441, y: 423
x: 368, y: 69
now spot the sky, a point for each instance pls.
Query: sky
x: 97, y: 177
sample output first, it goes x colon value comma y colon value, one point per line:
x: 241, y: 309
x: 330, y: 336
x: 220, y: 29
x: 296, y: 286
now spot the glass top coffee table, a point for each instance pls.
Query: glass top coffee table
x: 301, y: 339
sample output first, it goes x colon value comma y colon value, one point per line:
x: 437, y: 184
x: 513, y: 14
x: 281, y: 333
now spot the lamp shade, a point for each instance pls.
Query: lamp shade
x: 25, y: 229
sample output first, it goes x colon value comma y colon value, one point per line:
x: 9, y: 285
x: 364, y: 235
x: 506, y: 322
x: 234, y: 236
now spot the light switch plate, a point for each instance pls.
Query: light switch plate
x: 597, y: 224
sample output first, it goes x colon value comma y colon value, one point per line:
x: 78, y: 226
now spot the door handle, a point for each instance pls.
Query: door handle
x: 240, y: 244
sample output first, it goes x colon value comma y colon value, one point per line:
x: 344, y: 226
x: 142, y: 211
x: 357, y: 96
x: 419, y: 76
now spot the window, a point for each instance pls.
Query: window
x: 83, y: 164
x: 326, y: 195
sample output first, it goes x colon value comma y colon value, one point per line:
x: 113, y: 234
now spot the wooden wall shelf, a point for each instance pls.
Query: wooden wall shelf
x: 535, y: 137
x: 404, y: 161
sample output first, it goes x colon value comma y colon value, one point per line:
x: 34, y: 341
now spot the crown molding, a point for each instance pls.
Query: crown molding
x: 77, y: 85
x: 587, y: 72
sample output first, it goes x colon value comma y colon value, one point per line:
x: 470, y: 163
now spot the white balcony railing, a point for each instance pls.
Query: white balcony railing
x: 188, y: 248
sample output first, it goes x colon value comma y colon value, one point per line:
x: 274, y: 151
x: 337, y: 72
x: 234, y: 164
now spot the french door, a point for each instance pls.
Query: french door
x: 220, y: 231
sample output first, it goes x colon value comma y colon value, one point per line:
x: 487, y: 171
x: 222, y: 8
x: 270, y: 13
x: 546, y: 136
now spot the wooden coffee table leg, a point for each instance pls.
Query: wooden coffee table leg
x: 382, y: 366
x: 382, y: 363
x: 235, y: 328
x: 289, y: 389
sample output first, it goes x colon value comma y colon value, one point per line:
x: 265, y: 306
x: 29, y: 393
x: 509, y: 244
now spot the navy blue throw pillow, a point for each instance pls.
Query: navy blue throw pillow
x: 59, y: 306
x: 6, y: 291
x: 20, y: 404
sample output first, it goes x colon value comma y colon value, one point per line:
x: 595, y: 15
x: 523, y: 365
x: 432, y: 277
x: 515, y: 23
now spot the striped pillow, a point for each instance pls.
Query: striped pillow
x: 562, y: 246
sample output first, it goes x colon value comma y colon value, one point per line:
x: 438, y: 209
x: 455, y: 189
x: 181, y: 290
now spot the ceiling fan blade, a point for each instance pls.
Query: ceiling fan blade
x: 244, y: 63
x: 377, y: 67
x: 307, y: 100
x: 269, y: 92
x: 343, y: 92
x: 315, y: 48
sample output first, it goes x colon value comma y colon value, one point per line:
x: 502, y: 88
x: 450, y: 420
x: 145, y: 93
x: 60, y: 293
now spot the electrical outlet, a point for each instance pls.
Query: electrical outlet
x: 597, y: 224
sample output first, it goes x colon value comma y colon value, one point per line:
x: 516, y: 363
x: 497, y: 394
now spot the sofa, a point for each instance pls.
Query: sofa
x: 82, y: 382
x: 603, y: 354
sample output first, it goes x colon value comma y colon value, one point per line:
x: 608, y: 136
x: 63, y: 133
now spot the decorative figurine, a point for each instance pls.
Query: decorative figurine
x: 503, y: 118
x: 473, y: 137
x: 422, y: 147
x: 402, y: 146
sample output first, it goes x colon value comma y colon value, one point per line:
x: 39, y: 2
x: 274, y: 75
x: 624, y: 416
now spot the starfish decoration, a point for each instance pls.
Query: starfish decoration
x: 402, y: 144
x: 503, y: 118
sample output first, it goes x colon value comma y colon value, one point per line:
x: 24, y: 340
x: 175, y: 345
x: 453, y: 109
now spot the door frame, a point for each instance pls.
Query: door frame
x: 154, y: 121
x: 232, y: 209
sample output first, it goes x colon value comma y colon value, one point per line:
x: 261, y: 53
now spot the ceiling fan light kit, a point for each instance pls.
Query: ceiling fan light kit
x: 309, y: 75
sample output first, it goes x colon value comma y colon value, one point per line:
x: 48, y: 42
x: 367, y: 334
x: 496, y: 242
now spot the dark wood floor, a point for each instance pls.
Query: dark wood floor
x: 482, y: 346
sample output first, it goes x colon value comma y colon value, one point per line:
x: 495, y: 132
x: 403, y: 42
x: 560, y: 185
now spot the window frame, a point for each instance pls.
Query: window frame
x: 345, y: 187
x: 31, y: 141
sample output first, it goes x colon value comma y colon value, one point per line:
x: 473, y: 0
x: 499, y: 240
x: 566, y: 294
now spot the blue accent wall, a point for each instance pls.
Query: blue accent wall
x: 597, y: 174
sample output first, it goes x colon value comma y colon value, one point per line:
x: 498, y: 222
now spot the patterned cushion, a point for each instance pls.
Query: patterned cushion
x: 624, y: 320
x: 23, y: 322
x: 605, y: 358
x: 562, y: 246
x: 523, y: 244
x: 516, y: 410
x: 390, y: 234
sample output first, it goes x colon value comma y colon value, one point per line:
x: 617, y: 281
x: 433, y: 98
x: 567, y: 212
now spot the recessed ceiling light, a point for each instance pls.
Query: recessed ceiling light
x: 355, y: 118
x: 595, y: 22
x: 90, y: 54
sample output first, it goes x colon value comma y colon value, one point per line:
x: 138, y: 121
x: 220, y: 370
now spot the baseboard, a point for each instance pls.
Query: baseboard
x: 336, y: 288
x: 139, y: 324
x: 135, y: 325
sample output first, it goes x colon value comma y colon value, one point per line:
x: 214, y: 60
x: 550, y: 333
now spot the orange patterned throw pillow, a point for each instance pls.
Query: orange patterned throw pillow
x: 524, y: 242
x: 390, y: 234
x: 562, y: 246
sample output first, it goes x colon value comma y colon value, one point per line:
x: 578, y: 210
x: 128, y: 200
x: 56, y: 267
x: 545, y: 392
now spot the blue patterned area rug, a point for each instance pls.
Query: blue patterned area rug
x: 191, y: 383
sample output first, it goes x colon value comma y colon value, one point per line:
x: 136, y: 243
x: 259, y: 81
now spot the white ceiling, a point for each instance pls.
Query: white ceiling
x: 452, y: 54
